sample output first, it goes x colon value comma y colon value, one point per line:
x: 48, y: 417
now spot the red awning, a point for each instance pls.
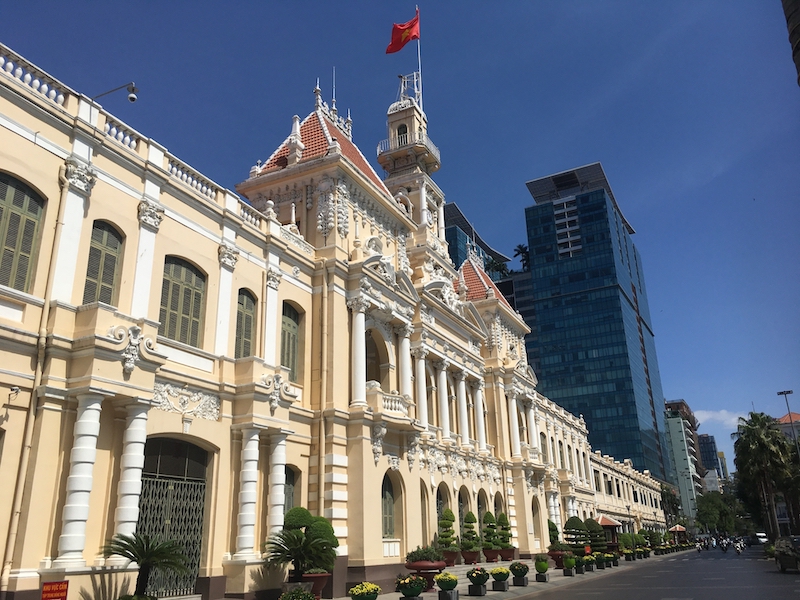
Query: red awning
x: 608, y: 521
x: 677, y: 528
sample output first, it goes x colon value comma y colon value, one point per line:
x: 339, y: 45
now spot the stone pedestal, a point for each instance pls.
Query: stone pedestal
x: 519, y: 581
x: 448, y: 594
x: 569, y: 572
x: 543, y: 577
x: 476, y: 589
x: 500, y: 586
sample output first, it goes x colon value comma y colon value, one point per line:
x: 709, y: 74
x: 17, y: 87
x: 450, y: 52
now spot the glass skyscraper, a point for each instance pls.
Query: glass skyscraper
x: 591, y: 343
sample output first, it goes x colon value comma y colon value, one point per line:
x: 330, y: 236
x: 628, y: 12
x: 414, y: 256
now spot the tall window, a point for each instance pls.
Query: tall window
x: 290, y: 330
x: 387, y: 507
x: 543, y: 446
x: 20, y: 217
x: 288, y: 490
x: 102, y: 272
x: 182, y: 302
x: 245, y: 324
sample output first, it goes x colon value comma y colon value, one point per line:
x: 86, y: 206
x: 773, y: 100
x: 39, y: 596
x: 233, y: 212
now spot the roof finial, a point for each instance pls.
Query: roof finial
x: 333, y: 100
x: 318, y: 95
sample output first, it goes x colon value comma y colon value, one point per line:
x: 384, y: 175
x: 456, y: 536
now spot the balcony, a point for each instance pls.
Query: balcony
x: 418, y: 140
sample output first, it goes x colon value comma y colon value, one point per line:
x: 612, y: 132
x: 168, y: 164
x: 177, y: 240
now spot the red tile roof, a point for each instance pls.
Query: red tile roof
x: 479, y: 283
x: 608, y: 521
x: 317, y: 132
x: 785, y: 418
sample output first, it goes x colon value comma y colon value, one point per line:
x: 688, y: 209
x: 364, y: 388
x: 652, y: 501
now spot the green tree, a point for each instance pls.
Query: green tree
x: 524, y: 256
x: 306, y: 541
x: 469, y: 537
x: 447, y: 538
x: 495, y: 267
x: 504, y: 531
x: 762, y: 459
x: 597, y: 535
x: 149, y: 553
x: 490, y: 540
x: 576, y: 534
x: 552, y: 529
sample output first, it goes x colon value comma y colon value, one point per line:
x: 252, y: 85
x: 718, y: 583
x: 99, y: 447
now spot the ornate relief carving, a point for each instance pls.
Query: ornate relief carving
x: 131, y: 354
x: 186, y: 402
x: 326, y: 209
x: 413, y: 448
x: 402, y: 255
x: 277, y: 390
x: 358, y: 304
x: 228, y: 254
x: 394, y: 462
x: 150, y: 213
x: 378, y: 433
x: 274, y: 277
x: 80, y: 176
x: 425, y: 314
x: 342, y: 211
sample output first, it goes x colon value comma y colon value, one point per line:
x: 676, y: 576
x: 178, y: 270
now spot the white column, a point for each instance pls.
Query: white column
x: 404, y: 349
x: 228, y: 255
x: 272, y: 315
x: 150, y: 217
x: 551, y: 507
x: 513, y: 419
x: 248, y: 492
x: 129, y: 489
x: 533, y: 428
x: 358, y: 351
x: 441, y: 219
x: 463, y: 418
x: 422, y: 388
x: 72, y: 540
x: 277, y: 482
x: 441, y: 396
x: 479, y: 422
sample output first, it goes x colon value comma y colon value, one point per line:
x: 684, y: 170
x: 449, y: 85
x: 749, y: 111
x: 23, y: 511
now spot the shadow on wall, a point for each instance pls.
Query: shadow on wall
x: 106, y: 585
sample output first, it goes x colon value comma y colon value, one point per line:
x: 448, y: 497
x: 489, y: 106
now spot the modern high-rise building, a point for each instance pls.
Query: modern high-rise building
x: 591, y: 342
x: 463, y: 240
x: 707, y: 446
x: 684, y: 454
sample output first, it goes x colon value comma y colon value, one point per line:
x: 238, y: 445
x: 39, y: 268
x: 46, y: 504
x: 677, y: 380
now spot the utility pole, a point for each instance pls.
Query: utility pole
x: 785, y: 394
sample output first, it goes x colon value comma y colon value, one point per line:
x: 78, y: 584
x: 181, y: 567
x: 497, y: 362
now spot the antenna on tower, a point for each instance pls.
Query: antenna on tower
x: 333, y: 100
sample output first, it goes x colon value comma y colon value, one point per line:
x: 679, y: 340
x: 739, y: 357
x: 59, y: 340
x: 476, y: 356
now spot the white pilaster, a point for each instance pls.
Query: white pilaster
x: 150, y: 216
x: 479, y: 421
x: 277, y: 482
x: 422, y: 388
x: 441, y: 396
x: 129, y: 489
x: 516, y: 451
x: 272, y: 315
x: 441, y: 219
x: 463, y: 419
x: 72, y: 540
x: 358, y: 362
x: 248, y: 492
x: 404, y: 334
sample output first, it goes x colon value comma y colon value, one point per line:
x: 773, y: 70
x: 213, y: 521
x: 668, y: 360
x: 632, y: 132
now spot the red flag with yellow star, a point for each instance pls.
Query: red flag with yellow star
x: 403, y: 33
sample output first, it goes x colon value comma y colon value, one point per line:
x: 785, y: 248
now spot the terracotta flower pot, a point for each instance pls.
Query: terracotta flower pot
x: 318, y: 581
x: 427, y: 569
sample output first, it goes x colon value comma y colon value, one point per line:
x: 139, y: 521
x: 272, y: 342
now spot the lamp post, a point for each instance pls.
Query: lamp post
x: 630, y: 522
x: 785, y: 394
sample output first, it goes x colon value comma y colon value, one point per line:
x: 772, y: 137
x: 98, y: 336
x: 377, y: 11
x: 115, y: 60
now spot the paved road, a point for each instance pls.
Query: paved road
x: 711, y: 575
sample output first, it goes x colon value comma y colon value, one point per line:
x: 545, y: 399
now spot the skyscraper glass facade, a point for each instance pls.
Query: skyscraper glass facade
x: 592, y: 344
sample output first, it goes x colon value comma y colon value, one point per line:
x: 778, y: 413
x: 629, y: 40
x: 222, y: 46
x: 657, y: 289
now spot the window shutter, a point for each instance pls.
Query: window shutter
x: 102, y: 272
x: 182, y: 302
x: 20, y: 216
x: 245, y: 324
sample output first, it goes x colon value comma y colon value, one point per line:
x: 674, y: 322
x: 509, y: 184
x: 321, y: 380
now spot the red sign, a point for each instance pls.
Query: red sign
x: 54, y: 590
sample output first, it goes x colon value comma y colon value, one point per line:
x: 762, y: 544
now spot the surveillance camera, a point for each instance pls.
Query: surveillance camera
x: 14, y: 389
x: 132, y: 89
x: 131, y: 97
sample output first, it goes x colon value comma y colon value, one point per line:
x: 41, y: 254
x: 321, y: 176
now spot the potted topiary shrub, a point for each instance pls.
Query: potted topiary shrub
x: 490, y: 546
x: 556, y: 551
x: 569, y: 564
x: 478, y: 576
x: 541, y: 564
x: 507, y: 551
x: 576, y: 535
x: 447, y: 539
x: 500, y: 576
x: 470, y: 542
x: 597, y: 535
x: 519, y: 571
x: 426, y: 561
x: 447, y: 582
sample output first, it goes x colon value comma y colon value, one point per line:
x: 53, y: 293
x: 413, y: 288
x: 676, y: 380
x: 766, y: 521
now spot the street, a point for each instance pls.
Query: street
x: 711, y: 575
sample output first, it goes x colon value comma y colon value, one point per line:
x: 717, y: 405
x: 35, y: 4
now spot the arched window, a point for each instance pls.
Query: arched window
x: 102, y: 272
x: 387, y: 507
x: 402, y: 134
x: 560, y: 454
x: 569, y: 455
x: 288, y: 490
x: 373, y: 359
x: 245, y: 324
x: 20, y: 218
x: 182, y: 302
x: 290, y: 339
x: 543, y: 446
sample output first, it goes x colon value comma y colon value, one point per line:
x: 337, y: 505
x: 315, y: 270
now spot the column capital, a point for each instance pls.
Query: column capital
x: 228, y: 254
x: 79, y: 175
x: 274, y: 276
x: 150, y: 213
x: 460, y: 376
x: 419, y: 352
x: 442, y: 364
x: 358, y: 304
x: 405, y: 330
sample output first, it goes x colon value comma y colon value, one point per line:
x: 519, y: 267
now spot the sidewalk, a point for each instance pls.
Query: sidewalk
x: 557, y: 580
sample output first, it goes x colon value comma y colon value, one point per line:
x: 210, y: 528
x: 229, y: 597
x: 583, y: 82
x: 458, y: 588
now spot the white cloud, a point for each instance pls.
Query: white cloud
x: 724, y: 417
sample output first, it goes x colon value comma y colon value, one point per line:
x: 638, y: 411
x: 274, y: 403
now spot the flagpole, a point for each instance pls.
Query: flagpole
x: 419, y: 63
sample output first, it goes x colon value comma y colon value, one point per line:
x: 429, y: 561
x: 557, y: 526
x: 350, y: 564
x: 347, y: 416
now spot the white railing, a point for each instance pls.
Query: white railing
x: 121, y: 133
x: 409, y: 139
x: 192, y: 178
x: 249, y: 214
x: 18, y: 68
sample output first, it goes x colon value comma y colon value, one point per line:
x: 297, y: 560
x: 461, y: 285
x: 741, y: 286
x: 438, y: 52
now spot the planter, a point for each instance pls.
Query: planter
x: 579, y: 569
x: 411, y: 592
x: 569, y: 572
x: 519, y: 581
x: 543, y: 577
x: 629, y: 557
x: 601, y: 565
x: 366, y: 597
x: 558, y: 558
x: 500, y: 586
x: 589, y: 568
x: 448, y: 594
x: 475, y: 589
x: 450, y: 557
x: 318, y: 582
x: 427, y: 569
x: 491, y: 555
x: 470, y: 557
x: 615, y: 562
x: 507, y: 553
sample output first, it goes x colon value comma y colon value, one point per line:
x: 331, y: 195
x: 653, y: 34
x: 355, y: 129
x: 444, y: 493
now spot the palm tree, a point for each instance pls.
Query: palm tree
x: 494, y: 266
x: 302, y: 549
x: 149, y: 553
x: 524, y: 256
x: 762, y: 458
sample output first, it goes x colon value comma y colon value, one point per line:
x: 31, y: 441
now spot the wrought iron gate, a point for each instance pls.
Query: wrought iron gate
x: 172, y: 508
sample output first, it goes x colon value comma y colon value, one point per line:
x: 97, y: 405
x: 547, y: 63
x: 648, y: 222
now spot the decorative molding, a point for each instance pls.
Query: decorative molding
x: 132, y: 352
x: 378, y: 433
x: 394, y: 462
x: 358, y: 304
x: 326, y: 209
x: 278, y: 390
x: 228, y: 254
x: 181, y: 400
x: 150, y: 213
x: 274, y: 278
x: 342, y: 211
x: 413, y: 448
x: 81, y: 177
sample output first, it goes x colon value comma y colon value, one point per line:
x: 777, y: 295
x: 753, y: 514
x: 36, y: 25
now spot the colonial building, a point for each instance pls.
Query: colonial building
x: 186, y: 361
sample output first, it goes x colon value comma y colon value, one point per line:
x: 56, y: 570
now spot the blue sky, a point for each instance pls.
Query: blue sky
x: 693, y: 108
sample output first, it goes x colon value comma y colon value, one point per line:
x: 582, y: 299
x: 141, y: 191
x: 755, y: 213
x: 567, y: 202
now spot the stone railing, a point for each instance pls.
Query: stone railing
x: 250, y: 214
x: 381, y: 401
x: 409, y: 139
x: 121, y: 133
x: 192, y: 178
x: 16, y: 67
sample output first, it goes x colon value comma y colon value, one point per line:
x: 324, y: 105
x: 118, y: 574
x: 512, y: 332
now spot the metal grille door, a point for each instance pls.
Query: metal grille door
x: 173, y: 510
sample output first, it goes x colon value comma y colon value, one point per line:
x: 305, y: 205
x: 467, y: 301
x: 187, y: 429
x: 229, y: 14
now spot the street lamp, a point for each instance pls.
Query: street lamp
x: 785, y: 394
x: 630, y: 523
